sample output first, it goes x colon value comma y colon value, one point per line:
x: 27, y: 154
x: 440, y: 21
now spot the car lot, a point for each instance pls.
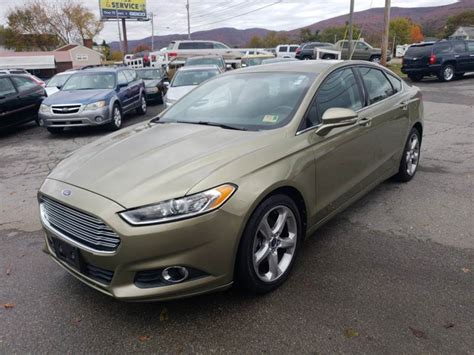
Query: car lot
x: 395, y: 271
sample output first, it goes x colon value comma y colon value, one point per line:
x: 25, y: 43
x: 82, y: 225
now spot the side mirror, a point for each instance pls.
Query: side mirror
x: 166, y: 83
x: 122, y: 85
x: 59, y: 87
x: 336, y: 117
x: 228, y: 66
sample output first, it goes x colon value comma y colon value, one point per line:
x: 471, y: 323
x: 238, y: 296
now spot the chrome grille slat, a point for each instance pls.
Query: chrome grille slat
x: 80, y: 227
x: 85, y: 226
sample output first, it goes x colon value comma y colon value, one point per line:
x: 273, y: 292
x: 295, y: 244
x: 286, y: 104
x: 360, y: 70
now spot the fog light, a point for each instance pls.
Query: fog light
x: 99, y: 119
x: 175, y: 274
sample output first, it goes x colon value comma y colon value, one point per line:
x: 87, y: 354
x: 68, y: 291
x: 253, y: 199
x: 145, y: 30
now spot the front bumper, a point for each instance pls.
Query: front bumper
x: 82, y: 118
x: 153, y: 94
x: 207, y: 243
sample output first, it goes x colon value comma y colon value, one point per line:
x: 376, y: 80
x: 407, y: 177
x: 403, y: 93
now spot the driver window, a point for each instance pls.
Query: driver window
x: 340, y: 89
x: 361, y: 45
x: 122, y: 79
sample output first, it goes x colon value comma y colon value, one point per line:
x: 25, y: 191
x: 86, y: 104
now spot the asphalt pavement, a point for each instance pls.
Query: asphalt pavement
x: 394, y: 273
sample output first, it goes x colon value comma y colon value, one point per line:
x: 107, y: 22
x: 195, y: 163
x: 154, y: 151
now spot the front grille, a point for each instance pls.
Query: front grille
x: 83, y: 228
x: 65, y: 109
x: 102, y: 275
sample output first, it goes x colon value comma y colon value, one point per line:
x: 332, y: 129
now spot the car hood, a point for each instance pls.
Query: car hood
x: 150, y: 163
x: 77, y: 96
x: 176, y: 92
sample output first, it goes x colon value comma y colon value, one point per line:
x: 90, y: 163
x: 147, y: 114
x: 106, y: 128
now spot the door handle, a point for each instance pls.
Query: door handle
x: 456, y: 56
x: 365, y: 122
x: 403, y: 105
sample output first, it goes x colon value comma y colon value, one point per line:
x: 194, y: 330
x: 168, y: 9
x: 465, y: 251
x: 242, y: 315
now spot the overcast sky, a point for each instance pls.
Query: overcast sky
x: 170, y: 15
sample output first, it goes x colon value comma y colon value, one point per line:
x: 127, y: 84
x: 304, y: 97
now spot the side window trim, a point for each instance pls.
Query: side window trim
x: 302, y: 130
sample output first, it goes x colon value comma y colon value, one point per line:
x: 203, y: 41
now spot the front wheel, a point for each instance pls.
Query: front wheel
x: 410, y: 158
x: 116, y: 122
x: 375, y: 59
x: 141, y: 110
x: 269, y: 245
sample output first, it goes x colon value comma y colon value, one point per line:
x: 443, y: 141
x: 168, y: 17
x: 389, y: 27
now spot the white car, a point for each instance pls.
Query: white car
x: 56, y: 82
x: 186, y: 79
x: 286, y: 50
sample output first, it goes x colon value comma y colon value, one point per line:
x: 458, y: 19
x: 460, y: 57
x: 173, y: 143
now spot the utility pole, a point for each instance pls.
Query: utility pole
x: 351, y: 19
x: 118, y: 27
x: 189, y: 25
x: 386, y: 29
x: 125, y: 41
x: 152, y: 32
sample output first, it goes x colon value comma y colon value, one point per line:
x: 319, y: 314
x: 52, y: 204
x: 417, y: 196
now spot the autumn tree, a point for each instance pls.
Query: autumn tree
x: 307, y: 36
x: 400, y: 30
x: 337, y: 33
x: 416, y: 34
x: 142, y: 48
x: 68, y: 21
x: 465, y: 18
x: 255, y: 42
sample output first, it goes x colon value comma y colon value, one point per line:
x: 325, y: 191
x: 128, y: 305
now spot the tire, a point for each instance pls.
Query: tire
x: 446, y: 73
x: 307, y: 57
x: 416, y: 77
x: 375, y: 59
x: 55, y: 130
x: 410, y: 158
x: 141, y: 110
x: 116, y: 122
x: 327, y: 56
x: 278, y: 250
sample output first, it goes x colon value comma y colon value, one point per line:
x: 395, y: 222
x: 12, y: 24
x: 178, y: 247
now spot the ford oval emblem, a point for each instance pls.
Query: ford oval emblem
x: 66, y: 193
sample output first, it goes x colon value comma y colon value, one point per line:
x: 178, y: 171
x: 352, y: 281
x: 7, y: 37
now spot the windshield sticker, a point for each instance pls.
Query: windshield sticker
x: 270, y: 118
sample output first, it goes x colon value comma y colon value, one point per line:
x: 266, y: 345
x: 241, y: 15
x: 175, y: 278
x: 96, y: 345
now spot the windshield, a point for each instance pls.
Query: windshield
x: 90, y: 81
x: 251, y: 101
x: 204, y: 61
x: 190, y: 78
x: 149, y: 74
x: 58, y: 80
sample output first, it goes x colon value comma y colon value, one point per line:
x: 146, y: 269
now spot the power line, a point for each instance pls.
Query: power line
x: 242, y: 14
x: 224, y: 9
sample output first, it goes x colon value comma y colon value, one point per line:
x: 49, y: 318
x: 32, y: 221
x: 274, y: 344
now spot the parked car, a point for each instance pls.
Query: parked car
x: 37, y: 80
x: 227, y: 183
x: 361, y: 50
x: 191, y: 48
x: 56, y: 82
x: 20, y: 99
x: 251, y: 60
x: 306, y: 50
x: 207, y: 60
x: 93, y: 97
x: 446, y: 59
x: 156, y: 83
x: 187, y: 78
x: 286, y: 50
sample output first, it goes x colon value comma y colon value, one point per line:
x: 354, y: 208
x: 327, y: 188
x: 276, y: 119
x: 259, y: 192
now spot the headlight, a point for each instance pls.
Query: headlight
x: 44, y: 108
x: 95, y: 105
x: 151, y: 90
x: 185, y: 207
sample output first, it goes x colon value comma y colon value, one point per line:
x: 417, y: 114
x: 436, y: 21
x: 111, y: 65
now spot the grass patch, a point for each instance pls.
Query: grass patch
x: 397, y: 69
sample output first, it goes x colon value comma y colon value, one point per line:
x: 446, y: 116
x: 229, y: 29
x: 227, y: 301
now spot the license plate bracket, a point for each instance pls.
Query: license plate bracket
x: 68, y: 253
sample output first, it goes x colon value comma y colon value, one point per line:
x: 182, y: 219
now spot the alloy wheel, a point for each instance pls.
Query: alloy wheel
x: 143, y: 105
x: 448, y: 73
x: 275, y: 243
x: 117, y: 117
x: 412, y: 154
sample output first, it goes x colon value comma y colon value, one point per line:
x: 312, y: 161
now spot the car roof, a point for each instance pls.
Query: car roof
x: 300, y: 66
x: 101, y: 70
x: 199, y: 67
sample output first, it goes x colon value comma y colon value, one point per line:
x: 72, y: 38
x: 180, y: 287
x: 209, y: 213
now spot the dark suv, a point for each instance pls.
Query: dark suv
x: 447, y: 59
x: 306, y: 50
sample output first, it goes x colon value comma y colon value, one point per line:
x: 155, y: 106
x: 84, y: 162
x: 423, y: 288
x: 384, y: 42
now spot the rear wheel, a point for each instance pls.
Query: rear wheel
x: 307, y: 57
x: 55, y: 130
x: 269, y: 245
x: 375, y: 59
x: 415, y: 77
x: 328, y: 56
x: 410, y: 158
x: 116, y: 122
x: 141, y: 110
x: 446, y: 73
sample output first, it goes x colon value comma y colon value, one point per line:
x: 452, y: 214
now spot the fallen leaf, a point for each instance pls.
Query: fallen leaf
x: 164, y: 315
x: 144, y: 338
x: 418, y: 333
x: 465, y: 270
x: 351, y: 333
x: 448, y: 325
x: 77, y: 320
x: 9, y: 269
x: 8, y: 305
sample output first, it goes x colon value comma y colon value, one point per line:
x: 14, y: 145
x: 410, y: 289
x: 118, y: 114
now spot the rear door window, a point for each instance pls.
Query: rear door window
x: 23, y: 83
x: 376, y: 84
x: 6, y: 87
x: 283, y: 49
x: 470, y: 46
x: 442, y: 48
x: 396, y: 83
x: 459, y: 47
x: 293, y: 49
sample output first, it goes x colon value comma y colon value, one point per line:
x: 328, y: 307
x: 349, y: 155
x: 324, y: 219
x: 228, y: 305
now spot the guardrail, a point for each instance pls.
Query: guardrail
x: 134, y: 63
